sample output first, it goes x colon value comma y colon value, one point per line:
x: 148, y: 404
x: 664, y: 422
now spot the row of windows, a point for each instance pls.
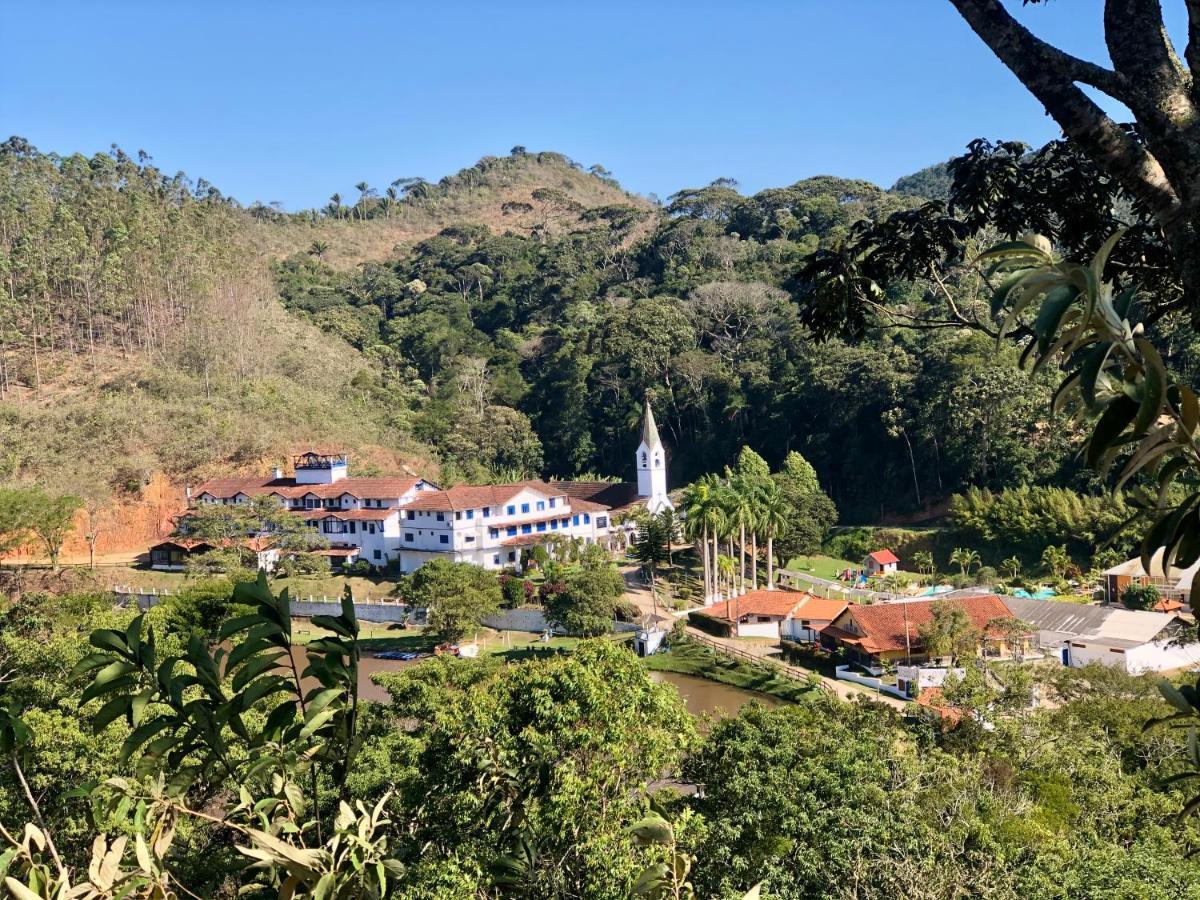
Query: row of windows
x: 555, y: 524
x: 511, y: 510
x: 333, y: 526
x: 410, y: 537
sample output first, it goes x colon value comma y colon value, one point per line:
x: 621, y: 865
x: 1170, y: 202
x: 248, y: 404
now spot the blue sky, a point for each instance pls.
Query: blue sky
x: 293, y: 101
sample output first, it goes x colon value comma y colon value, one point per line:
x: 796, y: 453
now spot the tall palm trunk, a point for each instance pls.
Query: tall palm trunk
x: 770, y: 552
x: 742, y: 557
x: 754, y: 561
x: 717, y: 589
x: 704, y: 557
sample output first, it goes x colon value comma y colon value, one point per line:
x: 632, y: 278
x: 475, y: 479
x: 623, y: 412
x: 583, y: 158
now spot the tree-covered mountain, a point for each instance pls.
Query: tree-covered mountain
x: 532, y: 350
x: 506, y: 321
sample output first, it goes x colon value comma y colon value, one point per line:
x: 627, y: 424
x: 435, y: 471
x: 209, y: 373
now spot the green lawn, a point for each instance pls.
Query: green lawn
x: 692, y: 659
x: 821, y: 566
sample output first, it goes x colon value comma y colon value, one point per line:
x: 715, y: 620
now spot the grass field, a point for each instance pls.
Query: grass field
x: 821, y: 566
x: 692, y: 659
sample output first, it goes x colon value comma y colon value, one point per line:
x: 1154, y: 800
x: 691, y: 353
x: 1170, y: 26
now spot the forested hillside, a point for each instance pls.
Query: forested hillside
x: 139, y: 334
x: 504, y: 322
x: 534, y: 348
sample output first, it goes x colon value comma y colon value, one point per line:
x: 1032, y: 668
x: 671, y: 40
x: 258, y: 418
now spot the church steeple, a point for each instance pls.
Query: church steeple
x: 652, y: 464
x: 649, y: 427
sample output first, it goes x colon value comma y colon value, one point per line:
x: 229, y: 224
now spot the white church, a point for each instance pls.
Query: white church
x: 406, y: 521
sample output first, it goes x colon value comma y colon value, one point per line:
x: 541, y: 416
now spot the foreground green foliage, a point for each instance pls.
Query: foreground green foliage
x: 532, y: 779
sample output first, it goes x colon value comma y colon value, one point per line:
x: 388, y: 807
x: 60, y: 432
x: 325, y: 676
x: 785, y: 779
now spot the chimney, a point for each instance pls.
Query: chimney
x: 276, y: 473
x: 187, y: 493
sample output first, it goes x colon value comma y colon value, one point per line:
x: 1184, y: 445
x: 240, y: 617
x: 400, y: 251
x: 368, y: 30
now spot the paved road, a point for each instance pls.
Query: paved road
x: 769, y: 650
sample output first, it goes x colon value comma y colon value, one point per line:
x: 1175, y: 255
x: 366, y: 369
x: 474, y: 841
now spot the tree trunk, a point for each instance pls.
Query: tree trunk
x: 770, y: 563
x: 1161, y: 166
x: 716, y: 555
x: 753, y: 561
x: 742, y: 558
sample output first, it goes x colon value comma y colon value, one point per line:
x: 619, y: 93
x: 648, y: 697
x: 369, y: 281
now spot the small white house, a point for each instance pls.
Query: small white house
x: 795, y: 615
x: 881, y: 562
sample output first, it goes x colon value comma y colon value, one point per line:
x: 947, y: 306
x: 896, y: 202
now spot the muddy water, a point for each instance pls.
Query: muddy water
x: 703, y: 696
x: 699, y: 694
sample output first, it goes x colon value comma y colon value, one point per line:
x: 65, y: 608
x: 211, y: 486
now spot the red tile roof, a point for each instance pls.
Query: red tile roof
x: 526, y: 540
x: 1167, y: 605
x: 883, y: 625
x: 817, y: 609
x: 884, y: 557
x: 477, y: 496
x: 466, y: 496
x: 759, y: 603
x: 362, y: 488
x: 616, y: 495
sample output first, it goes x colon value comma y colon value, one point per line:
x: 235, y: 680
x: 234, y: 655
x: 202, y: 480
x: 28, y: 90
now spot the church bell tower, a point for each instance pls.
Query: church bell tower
x: 652, y: 464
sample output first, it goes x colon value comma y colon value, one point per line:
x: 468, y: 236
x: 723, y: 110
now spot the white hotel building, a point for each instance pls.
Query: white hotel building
x: 407, y: 521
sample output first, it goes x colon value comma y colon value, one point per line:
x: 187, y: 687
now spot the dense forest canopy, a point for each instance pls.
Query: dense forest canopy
x: 567, y: 327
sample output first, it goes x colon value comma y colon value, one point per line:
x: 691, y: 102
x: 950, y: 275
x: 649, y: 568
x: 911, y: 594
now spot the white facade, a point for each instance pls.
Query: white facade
x: 1134, y: 640
x: 652, y: 465
x: 492, y: 526
x: 407, y: 522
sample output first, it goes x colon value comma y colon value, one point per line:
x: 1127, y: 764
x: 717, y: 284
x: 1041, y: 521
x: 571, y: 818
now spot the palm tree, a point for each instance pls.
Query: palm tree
x: 318, y: 249
x: 1056, y: 559
x: 964, y: 559
x: 773, y: 513
x: 1012, y: 566
x: 701, y: 516
x: 726, y: 568
x: 364, y: 190
x: 741, y: 514
x: 336, y: 202
x: 923, y: 560
x: 393, y: 197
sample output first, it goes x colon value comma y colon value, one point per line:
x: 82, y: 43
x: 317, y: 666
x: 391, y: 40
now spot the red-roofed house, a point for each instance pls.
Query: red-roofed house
x: 796, y: 615
x: 881, y: 562
x: 876, y: 634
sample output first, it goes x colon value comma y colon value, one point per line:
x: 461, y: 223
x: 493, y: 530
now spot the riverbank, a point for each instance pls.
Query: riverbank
x: 688, y: 658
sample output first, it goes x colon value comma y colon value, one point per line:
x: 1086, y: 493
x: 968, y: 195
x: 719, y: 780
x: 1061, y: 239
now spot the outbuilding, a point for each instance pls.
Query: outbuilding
x: 1133, y: 640
x: 881, y: 562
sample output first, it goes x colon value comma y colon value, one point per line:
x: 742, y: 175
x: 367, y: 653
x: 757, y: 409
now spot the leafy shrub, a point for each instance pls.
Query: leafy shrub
x: 513, y: 590
x: 1140, y: 596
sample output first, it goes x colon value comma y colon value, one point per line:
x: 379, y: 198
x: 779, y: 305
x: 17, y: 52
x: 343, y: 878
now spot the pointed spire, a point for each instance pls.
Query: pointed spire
x: 649, y: 427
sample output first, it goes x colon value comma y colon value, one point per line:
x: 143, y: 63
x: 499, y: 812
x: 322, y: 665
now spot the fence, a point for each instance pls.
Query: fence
x: 304, y: 607
x: 843, y: 673
x: 781, y: 668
